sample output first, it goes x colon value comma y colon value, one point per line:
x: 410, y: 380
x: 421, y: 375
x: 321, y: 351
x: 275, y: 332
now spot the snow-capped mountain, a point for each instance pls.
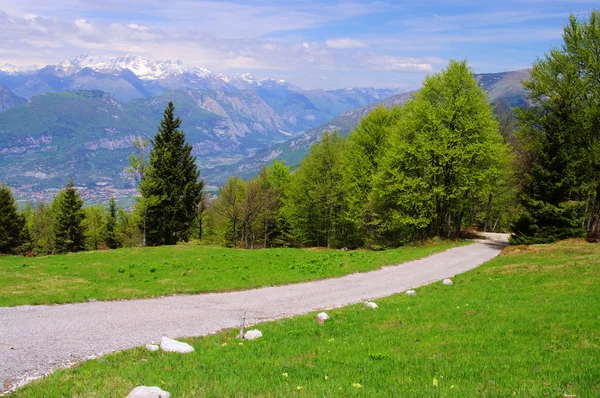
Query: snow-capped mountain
x: 97, y: 104
x: 15, y: 70
x: 143, y: 68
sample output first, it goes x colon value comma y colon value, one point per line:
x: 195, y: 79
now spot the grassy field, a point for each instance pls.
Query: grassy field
x: 525, y: 324
x: 157, y: 271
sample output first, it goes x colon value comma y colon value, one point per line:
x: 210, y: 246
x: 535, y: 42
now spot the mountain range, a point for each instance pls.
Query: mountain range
x: 79, y: 118
x: 502, y: 88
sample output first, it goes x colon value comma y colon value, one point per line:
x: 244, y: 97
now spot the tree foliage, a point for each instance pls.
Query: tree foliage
x: 445, y: 155
x: 315, y: 197
x: 12, y: 223
x: 171, y: 187
x: 559, y: 137
x: 69, y: 233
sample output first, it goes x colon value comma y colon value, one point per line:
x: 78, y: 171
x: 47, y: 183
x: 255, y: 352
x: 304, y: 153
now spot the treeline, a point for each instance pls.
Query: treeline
x: 168, y: 211
x: 440, y: 164
x: 431, y: 168
x: 62, y: 226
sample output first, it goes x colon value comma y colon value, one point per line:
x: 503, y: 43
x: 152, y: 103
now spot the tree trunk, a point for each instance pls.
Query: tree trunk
x: 496, y: 223
x: 487, y: 213
x: 234, y: 235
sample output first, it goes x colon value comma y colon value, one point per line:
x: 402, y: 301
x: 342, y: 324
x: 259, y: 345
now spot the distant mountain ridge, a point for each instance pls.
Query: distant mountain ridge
x: 502, y: 87
x: 84, y: 113
x: 8, y: 99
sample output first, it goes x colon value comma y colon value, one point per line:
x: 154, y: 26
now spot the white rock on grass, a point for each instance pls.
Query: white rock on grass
x: 322, y: 316
x: 152, y: 347
x: 170, y: 345
x: 447, y: 281
x: 370, y: 304
x: 411, y: 293
x: 252, y: 334
x: 148, y: 392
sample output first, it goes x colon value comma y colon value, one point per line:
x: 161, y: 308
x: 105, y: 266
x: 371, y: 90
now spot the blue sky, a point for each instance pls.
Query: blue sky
x: 318, y: 44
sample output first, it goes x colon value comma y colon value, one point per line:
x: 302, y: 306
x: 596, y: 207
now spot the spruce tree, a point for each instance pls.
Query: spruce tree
x: 11, y: 222
x: 68, y: 227
x: 559, y: 140
x: 171, y: 188
x: 111, y: 222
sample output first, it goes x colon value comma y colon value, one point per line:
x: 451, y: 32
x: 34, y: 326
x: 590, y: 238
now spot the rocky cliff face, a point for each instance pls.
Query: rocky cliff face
x: 8, y: 99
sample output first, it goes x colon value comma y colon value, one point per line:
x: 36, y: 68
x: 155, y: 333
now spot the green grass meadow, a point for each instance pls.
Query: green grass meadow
x: 526, y: 324
x: 186, y: 269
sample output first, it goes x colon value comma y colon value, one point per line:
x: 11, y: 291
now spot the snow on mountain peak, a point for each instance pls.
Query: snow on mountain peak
x: 15, y: 70
x: 141, y: 67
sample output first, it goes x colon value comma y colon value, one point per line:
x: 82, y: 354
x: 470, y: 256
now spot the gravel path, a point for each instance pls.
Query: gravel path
x: 37, y: 339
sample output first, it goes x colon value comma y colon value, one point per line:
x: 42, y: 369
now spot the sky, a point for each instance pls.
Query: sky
x: 314, y: 44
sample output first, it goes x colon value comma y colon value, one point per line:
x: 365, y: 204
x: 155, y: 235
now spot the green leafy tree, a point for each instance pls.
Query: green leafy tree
x: 559, y: 137
x: 11, y: 222
x: 273, y: 181
x: 230, y: 206
x: 94, y: 226
x: 69, y: 231
x: 315, y: 197
x: 41, y: 225
x: 171, y: 187
x: 363, y: 152
x: 444, y: 155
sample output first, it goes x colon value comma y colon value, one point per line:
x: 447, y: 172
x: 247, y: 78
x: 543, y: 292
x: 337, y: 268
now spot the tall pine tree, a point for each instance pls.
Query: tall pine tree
x: 11, y: 222
x: 68, y: 228
x: 171, y: 188
x: 559, y: 138
x: 111, y: 223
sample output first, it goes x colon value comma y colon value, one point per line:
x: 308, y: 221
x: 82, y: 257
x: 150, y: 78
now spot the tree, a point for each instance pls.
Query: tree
x: 273, y: 181
x: 559, y: 137
x: 11, y: 222
x: 110, y: 225
x: 94, y: 226
x: 315, y: 196
x: 171, y: 189
x: 229, y: 205
x: 444, y: 155
x: 364, y: 149
x: 68, y: 227
x: 41, y: 225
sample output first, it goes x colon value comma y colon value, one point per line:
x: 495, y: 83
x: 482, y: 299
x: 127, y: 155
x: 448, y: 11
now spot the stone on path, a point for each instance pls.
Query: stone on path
x: 411, y: 293
x: 252, y: 334
x: 370, y: 304
x: 322, y: 316
x: 447, y: 281
x: 148, y: 392
x: 152, y: 347
x: 170, y: 345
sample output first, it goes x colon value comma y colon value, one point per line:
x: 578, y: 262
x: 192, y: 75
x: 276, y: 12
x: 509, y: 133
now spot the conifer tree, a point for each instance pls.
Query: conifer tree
x: 68, y: 227
x: 560, y: 140
x: 11, y: 222
x: 111, y: 223
x: 171, y: 187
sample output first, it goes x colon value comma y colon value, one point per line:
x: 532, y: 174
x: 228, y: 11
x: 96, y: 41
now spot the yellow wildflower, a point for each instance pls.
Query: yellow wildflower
x: 435, y: 382
x: 284, y: 374
x: 356, y: 385
x: 299, y: 388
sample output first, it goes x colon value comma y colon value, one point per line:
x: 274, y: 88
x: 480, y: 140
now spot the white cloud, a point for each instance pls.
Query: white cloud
x: 391, y: 63
x: 345, y: 43
x: 84, y: 26
x: 138, y: 27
